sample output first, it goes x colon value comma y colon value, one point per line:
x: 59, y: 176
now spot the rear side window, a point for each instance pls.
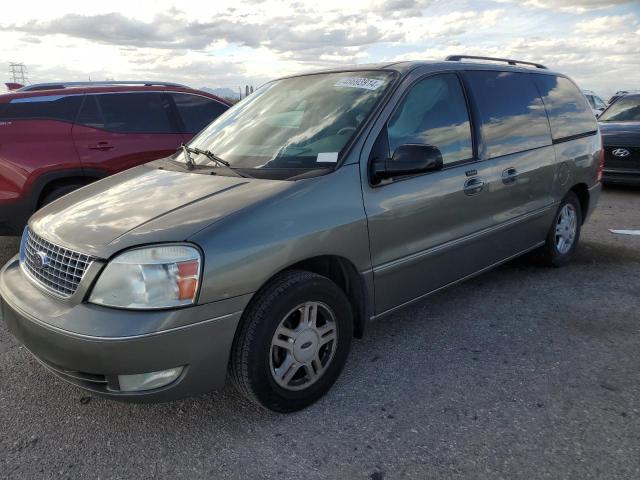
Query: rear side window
x: 512, y: 115
x: 434, y: 112
x: 568, y: 110
x: 90, y: 114
x: 47, y: 107
x: 136, y: 112
x: 197, y: 112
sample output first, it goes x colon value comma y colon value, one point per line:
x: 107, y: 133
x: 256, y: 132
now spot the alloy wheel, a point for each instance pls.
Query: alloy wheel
x: 566, y: 228
x: 303, y: 346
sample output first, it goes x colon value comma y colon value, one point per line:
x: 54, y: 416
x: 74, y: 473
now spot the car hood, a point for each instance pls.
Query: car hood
x: 146, y: 205
x: 617, y: 132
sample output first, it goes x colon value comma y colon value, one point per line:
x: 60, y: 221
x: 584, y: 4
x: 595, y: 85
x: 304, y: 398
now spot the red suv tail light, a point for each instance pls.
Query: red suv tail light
x: 600, y: 165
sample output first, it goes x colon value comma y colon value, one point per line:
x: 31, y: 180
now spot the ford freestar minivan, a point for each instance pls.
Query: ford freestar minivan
x: 318, y: 203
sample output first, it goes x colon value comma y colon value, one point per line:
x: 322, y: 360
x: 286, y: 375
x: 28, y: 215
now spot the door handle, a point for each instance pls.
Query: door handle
x: 473, y: 186
x: 101, y: 146
x: 509, y: 176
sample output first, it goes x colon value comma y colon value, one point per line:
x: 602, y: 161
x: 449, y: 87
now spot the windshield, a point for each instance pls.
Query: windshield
x: 625, y: 109
x: 293, y: 125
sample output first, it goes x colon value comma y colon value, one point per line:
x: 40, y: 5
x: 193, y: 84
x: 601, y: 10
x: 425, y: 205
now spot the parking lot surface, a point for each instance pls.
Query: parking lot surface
x: 523, y: 372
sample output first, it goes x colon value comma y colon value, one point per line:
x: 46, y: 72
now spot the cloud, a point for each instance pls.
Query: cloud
x: 578, y: 6
x: 616, y: 23
x: 304, y: 35
x: 577, y: 55
x: 117, y: 29
x: 454, y: 23
x: 402, y: 8
x: 301, y: 37
x: 222, y: 43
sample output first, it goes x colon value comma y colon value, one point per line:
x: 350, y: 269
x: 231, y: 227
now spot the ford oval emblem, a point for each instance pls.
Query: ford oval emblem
x: 620, y: 152
x: 41, y: 260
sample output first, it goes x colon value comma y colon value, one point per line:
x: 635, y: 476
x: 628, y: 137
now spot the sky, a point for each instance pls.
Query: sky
x: 226, y: 44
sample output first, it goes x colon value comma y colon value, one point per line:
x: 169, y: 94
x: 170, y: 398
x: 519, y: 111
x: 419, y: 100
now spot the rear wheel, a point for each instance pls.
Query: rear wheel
x: 564, y: 234
x: 293, y: 343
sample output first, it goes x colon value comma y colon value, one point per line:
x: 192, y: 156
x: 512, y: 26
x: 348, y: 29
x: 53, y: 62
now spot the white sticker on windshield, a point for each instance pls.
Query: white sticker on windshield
x: 359, y: 82
x: 327, y: 157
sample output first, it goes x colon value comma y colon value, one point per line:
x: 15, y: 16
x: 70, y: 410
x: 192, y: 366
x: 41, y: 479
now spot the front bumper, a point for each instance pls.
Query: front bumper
x: 90, y: 346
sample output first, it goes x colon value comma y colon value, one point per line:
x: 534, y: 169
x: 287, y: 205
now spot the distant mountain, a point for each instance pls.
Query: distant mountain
x: 222, y: 92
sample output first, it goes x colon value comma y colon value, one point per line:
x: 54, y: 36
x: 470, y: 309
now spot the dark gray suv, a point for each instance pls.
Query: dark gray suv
x: 315, y: 205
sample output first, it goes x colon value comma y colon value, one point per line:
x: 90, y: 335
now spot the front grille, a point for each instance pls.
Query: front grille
x: 58, y: 269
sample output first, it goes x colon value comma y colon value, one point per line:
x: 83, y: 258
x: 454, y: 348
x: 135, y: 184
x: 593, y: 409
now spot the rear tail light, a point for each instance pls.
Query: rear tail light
x: 600, y: 165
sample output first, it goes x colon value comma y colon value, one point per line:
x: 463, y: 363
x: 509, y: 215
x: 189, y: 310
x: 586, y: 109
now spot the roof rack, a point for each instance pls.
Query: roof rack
x: 457, y: 58
x: 58, y: 85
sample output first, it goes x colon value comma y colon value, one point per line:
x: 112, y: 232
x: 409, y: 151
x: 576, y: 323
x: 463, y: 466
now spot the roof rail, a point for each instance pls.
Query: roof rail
x: 457, y: 58
x: 58, y: 85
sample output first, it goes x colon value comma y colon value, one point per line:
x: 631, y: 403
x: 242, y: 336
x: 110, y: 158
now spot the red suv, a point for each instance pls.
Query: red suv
x: 55, y: 138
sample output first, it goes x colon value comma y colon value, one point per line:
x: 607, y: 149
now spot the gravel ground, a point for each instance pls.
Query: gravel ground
x: 524, y: 372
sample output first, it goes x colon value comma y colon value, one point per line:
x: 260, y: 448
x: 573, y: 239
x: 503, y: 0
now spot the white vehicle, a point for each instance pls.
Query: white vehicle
x: 597, y: 104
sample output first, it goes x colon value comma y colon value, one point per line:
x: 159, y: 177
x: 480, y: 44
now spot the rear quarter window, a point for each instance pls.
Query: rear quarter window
x: 569, y: 112
x: 90, y: 114
x: 196, y: 111
x: 512, y: 115
x: 45, y: 107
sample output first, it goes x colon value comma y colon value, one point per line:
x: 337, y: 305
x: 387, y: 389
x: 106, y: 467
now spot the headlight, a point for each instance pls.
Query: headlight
x: 163, y: 276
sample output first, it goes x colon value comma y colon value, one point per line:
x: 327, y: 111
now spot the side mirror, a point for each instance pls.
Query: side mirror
x: 408, y: 159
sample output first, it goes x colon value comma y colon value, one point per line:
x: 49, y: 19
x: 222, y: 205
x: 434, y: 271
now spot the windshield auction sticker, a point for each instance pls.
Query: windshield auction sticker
x: 327, y: 157
x: 359, y: 82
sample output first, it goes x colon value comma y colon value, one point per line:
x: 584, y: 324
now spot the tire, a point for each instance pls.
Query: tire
x: 263, y: 370
x: 57, y: 192
x: 553, y: 253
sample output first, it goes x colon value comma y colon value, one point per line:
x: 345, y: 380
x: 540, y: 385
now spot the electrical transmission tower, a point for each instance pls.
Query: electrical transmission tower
x: 18, y: 73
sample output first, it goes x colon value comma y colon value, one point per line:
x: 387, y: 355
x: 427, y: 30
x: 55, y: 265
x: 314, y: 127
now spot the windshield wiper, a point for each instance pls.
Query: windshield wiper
x: 187, y: 158
x: 211, y: 156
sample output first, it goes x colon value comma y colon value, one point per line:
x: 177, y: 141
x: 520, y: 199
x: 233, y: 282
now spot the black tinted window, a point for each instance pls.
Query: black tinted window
x: 434, y: 112
x: 511, y: 112
x: 136, y: 112
x: 197, y: 112
x: 89, y: 114
x: 568, y: 110
x: 48, y: 107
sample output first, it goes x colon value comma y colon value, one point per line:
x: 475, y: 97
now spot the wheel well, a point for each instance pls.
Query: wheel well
x: 342, y: 272
x: 582, y: 192
x: 63, y: 182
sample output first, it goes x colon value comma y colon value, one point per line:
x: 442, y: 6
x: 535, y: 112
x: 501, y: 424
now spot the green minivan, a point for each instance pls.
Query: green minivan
x: 322, y: 201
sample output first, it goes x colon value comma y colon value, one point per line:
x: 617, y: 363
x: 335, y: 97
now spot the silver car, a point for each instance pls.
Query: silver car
x: 322, y: 201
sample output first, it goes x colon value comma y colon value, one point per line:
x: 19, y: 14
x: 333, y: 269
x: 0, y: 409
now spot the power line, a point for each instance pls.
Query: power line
x: 18, y: 73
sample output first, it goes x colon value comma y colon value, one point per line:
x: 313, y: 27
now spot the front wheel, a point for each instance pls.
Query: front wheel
x: 293, y: 343
x: 564, y: 234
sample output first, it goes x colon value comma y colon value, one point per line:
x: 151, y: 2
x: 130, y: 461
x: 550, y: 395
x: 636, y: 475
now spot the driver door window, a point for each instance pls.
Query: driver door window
x: 434, y: 112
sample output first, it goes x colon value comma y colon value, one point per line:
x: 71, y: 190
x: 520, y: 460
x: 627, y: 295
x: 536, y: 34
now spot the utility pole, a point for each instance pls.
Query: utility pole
x: 18, y: 73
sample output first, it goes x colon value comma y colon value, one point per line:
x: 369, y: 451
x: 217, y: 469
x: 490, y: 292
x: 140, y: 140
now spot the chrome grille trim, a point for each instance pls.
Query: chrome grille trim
x: 66, y: 268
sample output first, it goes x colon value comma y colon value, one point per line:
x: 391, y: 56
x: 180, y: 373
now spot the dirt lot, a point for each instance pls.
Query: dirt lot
x: 524, y: 372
